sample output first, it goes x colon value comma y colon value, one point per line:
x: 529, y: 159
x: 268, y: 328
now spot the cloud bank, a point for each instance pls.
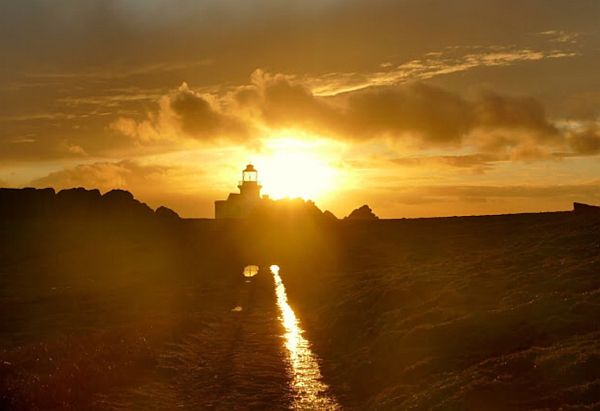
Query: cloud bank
x: 417, y: 115
x: 104, y: 175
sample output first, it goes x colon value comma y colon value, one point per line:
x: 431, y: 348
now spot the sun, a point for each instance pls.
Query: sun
x: 294, y: 168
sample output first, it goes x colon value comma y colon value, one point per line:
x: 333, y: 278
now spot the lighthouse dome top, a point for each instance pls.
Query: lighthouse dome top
x: 250, y: 167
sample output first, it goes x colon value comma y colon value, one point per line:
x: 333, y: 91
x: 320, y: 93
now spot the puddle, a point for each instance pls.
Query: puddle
x: 250, y: 271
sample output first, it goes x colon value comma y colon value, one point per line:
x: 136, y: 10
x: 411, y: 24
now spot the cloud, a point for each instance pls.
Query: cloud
x: 582, y: 106
x: 417, y: 115
x: 183, y: 113
x: 282, y: 102
x: 516, y: 127
x: 430, y: 114
x: 104, y: 175
x: 452, y: 59
x: 560, y: 36
x: 587, y: 140
x: 427, y: 115
x: 201, y: 118
x: 590, y: 190
x: 434, y: 117
x: 127, y: 53
x: 477, y: 163
x: 493, y: 111
x: 478, y: 199
x: 112, y: 73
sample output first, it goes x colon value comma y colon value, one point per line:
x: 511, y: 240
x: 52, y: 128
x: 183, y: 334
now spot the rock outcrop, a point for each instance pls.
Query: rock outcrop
x: 166, y: 213
x: 73, y: 203
x: 329, y: 215
x: 121, y: 203
x: 362, y: 213
x: 581, y: 208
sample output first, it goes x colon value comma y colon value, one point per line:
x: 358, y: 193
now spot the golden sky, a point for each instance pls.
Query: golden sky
x: 417, y: 108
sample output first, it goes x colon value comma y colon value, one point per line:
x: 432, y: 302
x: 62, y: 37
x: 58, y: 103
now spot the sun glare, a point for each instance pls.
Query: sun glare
x: 295, y: 168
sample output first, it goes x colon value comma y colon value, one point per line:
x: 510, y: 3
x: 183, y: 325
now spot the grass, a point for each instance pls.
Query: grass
x: 493, y: 312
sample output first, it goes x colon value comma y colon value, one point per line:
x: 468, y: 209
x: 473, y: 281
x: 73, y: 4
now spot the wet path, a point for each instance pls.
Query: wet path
x: 250, y: 356
x: 310, y: 393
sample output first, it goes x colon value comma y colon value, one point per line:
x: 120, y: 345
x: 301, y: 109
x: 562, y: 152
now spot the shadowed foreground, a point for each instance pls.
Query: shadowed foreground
x: 462, y: 313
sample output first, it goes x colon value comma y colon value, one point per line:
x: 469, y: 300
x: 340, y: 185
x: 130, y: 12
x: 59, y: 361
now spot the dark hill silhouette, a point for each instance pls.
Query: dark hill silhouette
x: 329, y: 215
x: 582, y: 208
x: 121, y: 203
x: 73, y: 203
x: 26, y: 202
x: 166, y: 213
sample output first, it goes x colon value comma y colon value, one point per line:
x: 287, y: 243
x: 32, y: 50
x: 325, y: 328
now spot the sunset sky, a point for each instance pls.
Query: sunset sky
x: 415, y: 107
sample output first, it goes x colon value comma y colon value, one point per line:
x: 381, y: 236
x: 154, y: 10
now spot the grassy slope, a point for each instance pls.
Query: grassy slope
x: 90, y: 308
x: 465, y: 313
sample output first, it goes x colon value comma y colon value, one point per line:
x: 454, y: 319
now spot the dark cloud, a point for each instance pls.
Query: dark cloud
x: 582, y: 105
x: 285, y: 103
x: 200, y: 119
x: 478, y: 199
x: 511, y: 126
x: 432, y: 114
x: 184, y: 113
x: 418, y: 114
x: 590, y: 190
x: 104, y: 175
x: 428, y: 114
x: 586, y: 141
x: 39, y: 146
x: 516, y: 127
x: 477, y: 163
x: 348, y: 32
x: 494, y: 111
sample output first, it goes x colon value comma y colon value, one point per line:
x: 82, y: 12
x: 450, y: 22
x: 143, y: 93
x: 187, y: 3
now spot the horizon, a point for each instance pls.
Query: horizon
x: 154, y: 207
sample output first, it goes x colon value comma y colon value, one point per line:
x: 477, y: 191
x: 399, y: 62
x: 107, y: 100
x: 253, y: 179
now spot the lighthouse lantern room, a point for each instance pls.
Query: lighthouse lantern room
x: 249, y: 187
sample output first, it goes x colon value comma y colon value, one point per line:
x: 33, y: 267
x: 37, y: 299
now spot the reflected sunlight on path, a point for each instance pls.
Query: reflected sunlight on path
x: 310, y: 392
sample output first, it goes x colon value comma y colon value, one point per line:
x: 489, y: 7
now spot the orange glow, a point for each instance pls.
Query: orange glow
x: 296, y: 168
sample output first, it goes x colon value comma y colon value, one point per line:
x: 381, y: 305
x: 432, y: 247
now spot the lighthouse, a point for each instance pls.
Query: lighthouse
x: 239, y: 205
x: 249, y: 186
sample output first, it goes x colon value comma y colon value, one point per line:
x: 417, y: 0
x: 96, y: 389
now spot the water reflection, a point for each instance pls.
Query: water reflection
x: 250, y: 270
x: 310, y: 391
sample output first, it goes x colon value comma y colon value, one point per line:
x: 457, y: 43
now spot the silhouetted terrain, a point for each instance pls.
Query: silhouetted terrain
x: 106, y: 304
x: 497, y: 312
